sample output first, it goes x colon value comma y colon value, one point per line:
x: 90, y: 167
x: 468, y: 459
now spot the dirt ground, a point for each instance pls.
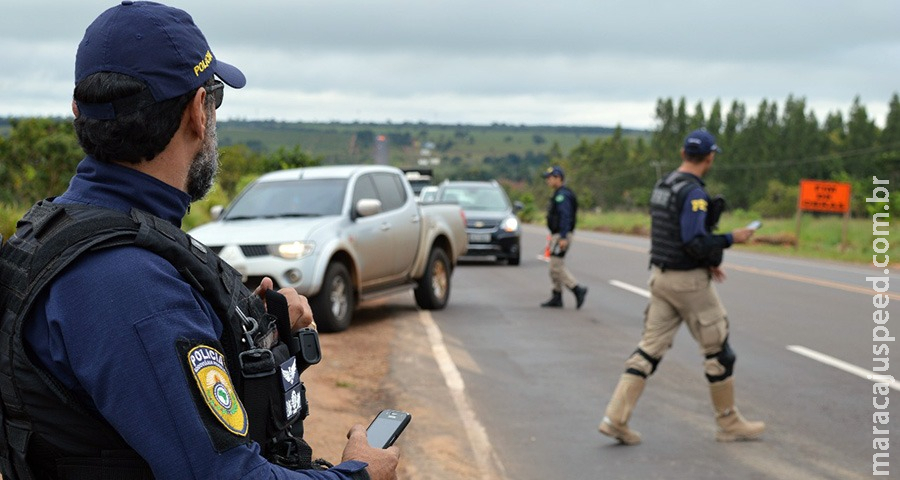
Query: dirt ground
x: 384, y: 361
x: 345, y: 388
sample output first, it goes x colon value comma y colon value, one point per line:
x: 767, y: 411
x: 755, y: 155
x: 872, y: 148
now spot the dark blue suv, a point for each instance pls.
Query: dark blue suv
x: 491, y: 222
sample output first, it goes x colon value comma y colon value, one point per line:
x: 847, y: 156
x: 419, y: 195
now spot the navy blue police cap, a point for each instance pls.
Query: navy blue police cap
x: 700, y: 143
x: 154, y: 43
x: 555, y: 171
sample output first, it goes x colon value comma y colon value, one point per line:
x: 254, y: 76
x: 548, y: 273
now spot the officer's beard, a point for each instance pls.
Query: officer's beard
x: 202, y: 173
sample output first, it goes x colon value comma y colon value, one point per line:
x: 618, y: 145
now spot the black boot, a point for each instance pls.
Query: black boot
x: 580, y: 292
x: 555, y: 300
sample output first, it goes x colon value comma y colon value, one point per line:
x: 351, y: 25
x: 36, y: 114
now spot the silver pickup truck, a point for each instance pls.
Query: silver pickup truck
x: 340, y: 235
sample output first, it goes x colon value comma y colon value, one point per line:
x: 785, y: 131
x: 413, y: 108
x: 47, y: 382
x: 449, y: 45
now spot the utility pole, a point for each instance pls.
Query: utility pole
x: 658, y: 164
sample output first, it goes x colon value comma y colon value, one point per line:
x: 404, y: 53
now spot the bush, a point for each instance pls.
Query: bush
x: 9, y: 216
x: 199, y: 212
x: 780, y: 201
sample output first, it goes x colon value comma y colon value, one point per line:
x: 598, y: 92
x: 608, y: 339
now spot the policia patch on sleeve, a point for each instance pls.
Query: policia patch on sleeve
x: 221, y: 411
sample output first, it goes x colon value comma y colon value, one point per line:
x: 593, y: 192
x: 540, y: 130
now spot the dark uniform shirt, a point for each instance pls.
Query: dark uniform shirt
x: 108, y: 329
x: 561, y: 212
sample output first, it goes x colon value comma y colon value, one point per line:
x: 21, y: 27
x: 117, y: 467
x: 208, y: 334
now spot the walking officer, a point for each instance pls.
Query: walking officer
x: 685, y: 258
x: 561, y: 216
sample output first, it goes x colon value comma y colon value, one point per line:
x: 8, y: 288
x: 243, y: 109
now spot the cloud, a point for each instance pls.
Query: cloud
x: 507, y: 61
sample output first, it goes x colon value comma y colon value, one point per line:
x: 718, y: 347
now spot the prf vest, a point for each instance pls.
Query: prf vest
x: 46, y: 432
x: 666, y: 248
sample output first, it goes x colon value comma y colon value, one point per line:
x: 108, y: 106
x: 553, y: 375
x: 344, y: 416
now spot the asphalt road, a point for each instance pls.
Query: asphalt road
x: 530, y: 384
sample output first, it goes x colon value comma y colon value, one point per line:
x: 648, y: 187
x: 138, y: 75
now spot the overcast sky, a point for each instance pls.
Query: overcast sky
x: 559, y: 62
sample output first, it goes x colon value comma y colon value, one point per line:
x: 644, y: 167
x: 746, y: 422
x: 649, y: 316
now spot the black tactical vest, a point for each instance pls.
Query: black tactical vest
x: 666, y: 201
x: 46, y: 432
x: 553, y: 217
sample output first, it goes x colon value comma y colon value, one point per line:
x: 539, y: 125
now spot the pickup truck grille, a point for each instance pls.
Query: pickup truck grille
x: 254, y: 250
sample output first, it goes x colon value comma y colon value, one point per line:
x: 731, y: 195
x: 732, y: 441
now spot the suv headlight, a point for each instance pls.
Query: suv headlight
x: 292, y: 250
x: 511, y: 224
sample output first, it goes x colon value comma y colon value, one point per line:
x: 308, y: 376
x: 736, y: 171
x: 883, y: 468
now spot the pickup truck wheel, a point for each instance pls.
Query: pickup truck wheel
x: 333, y: 306
x: 434, y: 286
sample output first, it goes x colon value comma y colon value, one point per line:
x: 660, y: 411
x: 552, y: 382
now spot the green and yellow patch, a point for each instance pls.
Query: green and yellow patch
x: 207, y: 366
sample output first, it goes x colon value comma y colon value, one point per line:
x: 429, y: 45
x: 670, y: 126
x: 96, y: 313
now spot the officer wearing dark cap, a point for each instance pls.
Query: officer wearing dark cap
x: 562, y: 213
x: 685, y: 258
x: 128, y: 350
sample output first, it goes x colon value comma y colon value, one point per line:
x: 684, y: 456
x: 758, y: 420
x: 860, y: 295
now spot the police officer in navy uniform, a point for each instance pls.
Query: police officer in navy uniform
x: 562, y: 213
x: 685, y: 258
x: 133, y: 357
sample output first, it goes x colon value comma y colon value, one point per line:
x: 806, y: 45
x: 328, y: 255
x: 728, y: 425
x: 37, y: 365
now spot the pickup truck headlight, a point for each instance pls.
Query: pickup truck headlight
x: 292, y: 250
x: 511, y: 224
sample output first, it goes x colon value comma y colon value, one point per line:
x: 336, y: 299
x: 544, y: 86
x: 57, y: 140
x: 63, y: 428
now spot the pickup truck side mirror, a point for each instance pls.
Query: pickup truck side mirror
x: 367, y: 207
x: 517, y: 206
x: 216, y: 211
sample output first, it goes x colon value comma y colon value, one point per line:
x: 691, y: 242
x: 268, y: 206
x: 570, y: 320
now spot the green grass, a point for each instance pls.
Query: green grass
x: 820, y: 235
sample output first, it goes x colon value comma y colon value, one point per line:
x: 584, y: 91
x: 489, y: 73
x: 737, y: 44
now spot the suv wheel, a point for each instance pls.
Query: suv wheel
x: 333, y: 306
x: 515, y: 255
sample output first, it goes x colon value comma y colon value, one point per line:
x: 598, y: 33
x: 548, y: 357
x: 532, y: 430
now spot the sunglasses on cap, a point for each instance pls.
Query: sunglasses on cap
x: 217, y: 90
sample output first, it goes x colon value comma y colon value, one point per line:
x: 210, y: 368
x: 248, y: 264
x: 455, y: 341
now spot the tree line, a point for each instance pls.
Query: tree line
x: 765, y: 154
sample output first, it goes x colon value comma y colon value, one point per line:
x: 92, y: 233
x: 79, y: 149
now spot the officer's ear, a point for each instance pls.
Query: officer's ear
x: 195, y: 114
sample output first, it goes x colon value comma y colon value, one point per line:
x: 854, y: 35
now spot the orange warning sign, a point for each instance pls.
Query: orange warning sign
x: 820, y: 196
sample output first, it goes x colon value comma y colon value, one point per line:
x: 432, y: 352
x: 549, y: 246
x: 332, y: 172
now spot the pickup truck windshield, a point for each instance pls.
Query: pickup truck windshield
x: 290, y: 198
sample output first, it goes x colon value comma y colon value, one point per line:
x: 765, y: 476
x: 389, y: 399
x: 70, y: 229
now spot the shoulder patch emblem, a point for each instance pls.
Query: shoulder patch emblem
x: 559, y: 198
x: 698, y: 205
x: 208, y: 368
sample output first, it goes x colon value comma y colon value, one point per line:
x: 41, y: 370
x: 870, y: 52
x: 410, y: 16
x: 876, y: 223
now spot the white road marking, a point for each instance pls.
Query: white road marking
x: 806, y: 352
x: 488, y: 463
x: 630, y: 288
x: 842, y: 365
x: 758, y: 271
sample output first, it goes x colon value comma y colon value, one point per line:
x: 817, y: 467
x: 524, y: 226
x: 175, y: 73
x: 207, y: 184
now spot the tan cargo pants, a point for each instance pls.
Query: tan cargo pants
x: 559, y: 274
x: 678, y: 296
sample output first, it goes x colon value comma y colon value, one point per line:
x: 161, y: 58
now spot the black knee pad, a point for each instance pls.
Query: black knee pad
x: 726, y: 358
x: 654, y: 362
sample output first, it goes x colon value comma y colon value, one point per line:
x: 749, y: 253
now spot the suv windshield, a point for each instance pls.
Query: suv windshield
x: 476, y: 198
x: 290, y: 198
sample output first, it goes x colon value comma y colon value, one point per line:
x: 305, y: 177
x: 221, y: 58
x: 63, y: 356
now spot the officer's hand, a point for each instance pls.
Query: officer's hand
x: 717, y: 274
x: 298, y: 306
x: 382, y: 462
x: 563, y: 244
x: 741, y: 235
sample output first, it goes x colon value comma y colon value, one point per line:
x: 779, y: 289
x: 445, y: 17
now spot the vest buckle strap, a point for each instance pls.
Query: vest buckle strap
x: 257, y: 363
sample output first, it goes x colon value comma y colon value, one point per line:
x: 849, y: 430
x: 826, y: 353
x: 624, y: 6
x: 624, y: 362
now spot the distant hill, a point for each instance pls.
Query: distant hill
x: 453, y: 147
x: 407, y: 144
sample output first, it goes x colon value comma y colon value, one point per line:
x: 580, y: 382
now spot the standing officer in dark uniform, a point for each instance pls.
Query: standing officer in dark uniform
x: 127, y: 349
x: 685, y: 258
x: 561, y: 216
